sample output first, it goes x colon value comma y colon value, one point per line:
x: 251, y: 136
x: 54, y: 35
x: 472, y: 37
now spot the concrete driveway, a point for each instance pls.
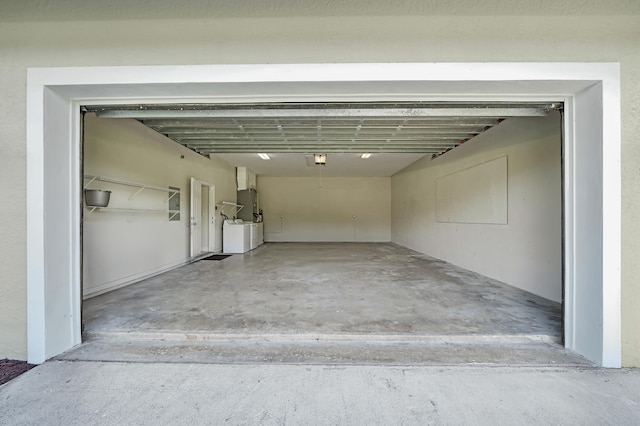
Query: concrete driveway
x: 177, y: 349
x: 139, y: 393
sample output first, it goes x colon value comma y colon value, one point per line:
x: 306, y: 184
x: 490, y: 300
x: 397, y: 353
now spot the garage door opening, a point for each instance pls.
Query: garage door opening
x: 487, y: 177
x: 592, y: 119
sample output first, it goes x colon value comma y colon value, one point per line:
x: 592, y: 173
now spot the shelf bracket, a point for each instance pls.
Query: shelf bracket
x: 173, y: 194
x: 134, y: 195
x: 90, y: 182
x: 235, y: 206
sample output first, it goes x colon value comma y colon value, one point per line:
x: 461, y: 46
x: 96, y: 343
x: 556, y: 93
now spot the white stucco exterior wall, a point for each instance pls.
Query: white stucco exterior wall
x: 398, y: 31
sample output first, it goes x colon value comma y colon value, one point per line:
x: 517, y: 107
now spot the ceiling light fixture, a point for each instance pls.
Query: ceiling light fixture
x: 264, y: 156
x: 320, y: 159
x: 365, y: 155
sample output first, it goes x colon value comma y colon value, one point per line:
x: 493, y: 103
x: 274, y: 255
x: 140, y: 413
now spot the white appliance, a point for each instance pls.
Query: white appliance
x: 256, y: 235
x: 236, y: 237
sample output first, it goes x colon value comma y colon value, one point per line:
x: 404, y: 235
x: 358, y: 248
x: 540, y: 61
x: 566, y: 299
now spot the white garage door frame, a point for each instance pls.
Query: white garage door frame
x: 591, y: 92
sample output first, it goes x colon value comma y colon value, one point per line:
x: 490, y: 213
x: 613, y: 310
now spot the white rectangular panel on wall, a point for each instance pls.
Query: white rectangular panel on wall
x: 477, y: 194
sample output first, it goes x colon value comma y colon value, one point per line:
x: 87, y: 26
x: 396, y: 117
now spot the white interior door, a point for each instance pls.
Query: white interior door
x: 214, y: 245
x: 208, y: 218
x: 195, y: 215
x: 203, y: 218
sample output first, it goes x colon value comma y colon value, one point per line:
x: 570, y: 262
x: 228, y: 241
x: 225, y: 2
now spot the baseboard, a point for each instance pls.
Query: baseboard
x: 132, y: 279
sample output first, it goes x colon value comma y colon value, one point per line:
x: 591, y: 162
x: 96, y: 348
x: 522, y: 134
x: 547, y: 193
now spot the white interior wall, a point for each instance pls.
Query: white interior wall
x: 120, y: 247
x: 326, y: 209
x: 527, y: 251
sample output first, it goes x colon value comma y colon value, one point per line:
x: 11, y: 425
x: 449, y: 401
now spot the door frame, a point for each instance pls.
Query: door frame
x: 592, y: 179
x: 195, y: 215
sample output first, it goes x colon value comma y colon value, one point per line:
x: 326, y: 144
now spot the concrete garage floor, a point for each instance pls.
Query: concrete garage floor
x: 324, y: 302
x: 324, y: 334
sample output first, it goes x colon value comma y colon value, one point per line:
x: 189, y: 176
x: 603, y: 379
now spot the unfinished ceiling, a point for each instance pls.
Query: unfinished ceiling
x: 399, y: 133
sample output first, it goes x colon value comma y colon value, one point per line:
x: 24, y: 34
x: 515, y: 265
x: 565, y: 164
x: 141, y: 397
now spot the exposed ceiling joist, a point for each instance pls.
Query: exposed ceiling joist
x: 421, y: 122
x: 306, y: 128
x: 291, y: 140
x: 209, y: 133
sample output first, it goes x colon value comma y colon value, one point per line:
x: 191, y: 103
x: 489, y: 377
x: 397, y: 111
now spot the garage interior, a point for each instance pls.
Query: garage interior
x: 429, y: 233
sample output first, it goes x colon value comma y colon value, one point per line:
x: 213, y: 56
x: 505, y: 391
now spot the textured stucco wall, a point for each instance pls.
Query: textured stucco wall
x: 84, y: 33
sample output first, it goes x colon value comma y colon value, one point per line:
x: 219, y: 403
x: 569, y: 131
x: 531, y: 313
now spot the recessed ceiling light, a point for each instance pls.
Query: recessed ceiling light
x: 365, y: 155
x: 264, y: 156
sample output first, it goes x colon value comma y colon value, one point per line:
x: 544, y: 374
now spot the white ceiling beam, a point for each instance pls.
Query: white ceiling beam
x: 382, y: 113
